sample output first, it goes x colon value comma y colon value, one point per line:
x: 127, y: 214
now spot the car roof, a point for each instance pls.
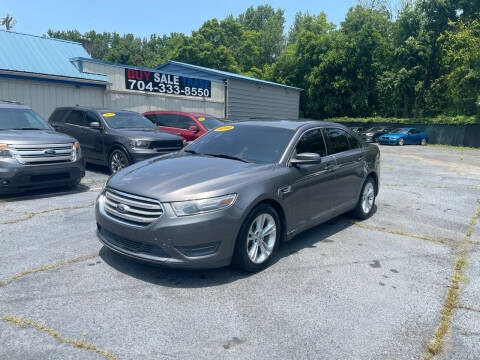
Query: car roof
x: 287, y: 124
x: 196, y: 114
x: 5, y: 104
x: 99, y: 110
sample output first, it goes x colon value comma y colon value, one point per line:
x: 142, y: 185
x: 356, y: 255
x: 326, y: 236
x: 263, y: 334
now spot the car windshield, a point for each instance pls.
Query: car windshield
x: 127, y: 120
x: 373, y: 129
x: 400, y: 131
x: 258, y: 144
x: 209, y: 122
x: 21, y: 119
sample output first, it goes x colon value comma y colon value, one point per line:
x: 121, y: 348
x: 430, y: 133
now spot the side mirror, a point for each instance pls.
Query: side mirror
x: 193, y: 128
x: 306, y: 158
x: 95, y: 125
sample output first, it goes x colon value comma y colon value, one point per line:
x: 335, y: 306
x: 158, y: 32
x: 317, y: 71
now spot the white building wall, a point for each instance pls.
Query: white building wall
x: 44, y: 97
x: 118, y: 97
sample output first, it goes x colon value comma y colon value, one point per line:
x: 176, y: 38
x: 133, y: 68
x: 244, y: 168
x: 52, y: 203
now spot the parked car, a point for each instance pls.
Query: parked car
x: 112, y: 137
x: 225, y: 199
x: 189, y: 125
x: 372, y: 134
x: 404, y: 136
x: 357, y: 129
x: 32, y: 154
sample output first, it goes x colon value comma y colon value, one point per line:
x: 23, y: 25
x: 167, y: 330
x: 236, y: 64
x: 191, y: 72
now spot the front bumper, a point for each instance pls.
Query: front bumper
x: 369, y: 138
x: 197, y: 241
x: 387, y: 141
x: 16, y: 177
x: 144, y: 154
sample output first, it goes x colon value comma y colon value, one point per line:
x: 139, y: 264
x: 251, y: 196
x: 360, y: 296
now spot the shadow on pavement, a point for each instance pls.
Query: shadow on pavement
x: 162, y: 276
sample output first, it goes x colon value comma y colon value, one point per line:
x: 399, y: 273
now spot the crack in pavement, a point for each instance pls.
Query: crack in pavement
x: 467, y: 308
x: 435, y: 346
x: 396, y: 232
x: 47, y: 267
x: 78, y: 343
x: 29, y: 215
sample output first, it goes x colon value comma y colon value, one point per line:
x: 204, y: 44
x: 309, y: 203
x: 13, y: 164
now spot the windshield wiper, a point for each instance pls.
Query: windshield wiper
x: 27, y: 128
x: 191, y: 152
x: 225, y: 156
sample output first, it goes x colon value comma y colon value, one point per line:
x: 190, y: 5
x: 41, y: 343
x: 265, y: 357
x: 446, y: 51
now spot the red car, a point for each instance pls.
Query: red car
x: 188, y: 125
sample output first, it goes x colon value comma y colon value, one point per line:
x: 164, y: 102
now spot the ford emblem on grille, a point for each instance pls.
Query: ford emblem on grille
x: 49, y: 152
x: 122, y: 208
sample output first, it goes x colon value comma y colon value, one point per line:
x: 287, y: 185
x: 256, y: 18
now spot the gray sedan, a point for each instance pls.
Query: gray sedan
x: 235, y: 193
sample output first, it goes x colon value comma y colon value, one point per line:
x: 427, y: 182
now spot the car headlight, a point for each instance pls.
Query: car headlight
x: 76, y: 151
x: 4, y: 151
x: 193, y: 207
x: 139, y: 143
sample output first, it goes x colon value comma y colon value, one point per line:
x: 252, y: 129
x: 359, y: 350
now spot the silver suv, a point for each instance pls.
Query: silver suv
x: 32, y: 154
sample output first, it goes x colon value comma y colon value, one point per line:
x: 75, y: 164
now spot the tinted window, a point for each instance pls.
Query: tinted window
x: 209, y: 123
x: 91, y: 117
x: 76, y: 118
x: 399, y: 131
x: 21, y: 119
x: 312, y: 142
x: 337, y: 140
x: 183, y: 122
x: 168, y: 120
x: 259, y: 144
x: 353, y: 141
x: 127, y: 120
x: 57, y: 116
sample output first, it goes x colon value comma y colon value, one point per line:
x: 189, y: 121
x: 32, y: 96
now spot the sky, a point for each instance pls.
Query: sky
x: 145, y: 17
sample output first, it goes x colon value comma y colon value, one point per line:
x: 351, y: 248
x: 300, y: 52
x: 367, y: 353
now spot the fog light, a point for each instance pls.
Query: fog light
x: 4, y: 182
x: 199, y: 250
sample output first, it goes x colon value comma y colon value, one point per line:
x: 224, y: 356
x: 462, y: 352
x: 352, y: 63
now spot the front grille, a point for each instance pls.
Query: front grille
x: 132, y: 209
x: 132, y: 246
x: 166, y: 145
x: 43, y: 153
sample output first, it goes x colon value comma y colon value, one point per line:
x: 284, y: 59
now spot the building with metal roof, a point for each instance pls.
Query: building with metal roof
x: 245, y: 97
x: 45, y: 73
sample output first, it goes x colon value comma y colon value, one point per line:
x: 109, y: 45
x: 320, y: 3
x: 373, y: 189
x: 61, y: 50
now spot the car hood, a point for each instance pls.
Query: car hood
x: 394, y: 135
x: 180, y: 176
x: 23, y: 137
x: 148, y: 134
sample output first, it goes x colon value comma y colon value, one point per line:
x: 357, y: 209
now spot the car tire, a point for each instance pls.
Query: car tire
x: 366, y: 201
x: 117, y: 160
x: 401, y: 141
x: 245, y: 256
x: 423, y: 142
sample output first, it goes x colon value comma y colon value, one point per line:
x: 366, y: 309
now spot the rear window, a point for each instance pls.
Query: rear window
x: 21, y: 119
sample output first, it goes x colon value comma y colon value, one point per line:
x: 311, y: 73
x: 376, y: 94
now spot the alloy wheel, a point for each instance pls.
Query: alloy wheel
x: 261, y: 238
x: 118, y: 161
x: 368, y: 196
x: 401, y: 142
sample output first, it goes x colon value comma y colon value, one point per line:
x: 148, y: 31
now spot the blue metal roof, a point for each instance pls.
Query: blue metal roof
x: 190, y: 70
x: 39, y: 55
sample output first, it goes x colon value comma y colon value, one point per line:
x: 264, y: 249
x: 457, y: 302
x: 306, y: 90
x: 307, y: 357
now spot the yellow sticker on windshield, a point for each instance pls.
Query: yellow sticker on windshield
x: 224, y: 128
x: 108, y: 114
x: 201, y: 119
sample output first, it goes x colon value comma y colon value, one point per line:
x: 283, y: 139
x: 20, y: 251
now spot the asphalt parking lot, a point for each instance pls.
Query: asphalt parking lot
x: 343, y: 290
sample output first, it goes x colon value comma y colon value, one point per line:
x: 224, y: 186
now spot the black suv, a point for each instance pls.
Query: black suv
x: 32, y: 154
x: 116, y: 138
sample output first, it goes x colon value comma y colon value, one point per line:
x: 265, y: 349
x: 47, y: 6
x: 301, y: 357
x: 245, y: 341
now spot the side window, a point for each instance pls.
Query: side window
x: 168, y: 120
x: 312, y: 142
x: 58, y: 116
x: 183, y: 122
x: 353, y: 141
x: 91, y: 117
x: 337, y: 140
x: 76, y: 117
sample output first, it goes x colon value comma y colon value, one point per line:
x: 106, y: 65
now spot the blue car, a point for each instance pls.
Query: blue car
x: 404, y: 136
